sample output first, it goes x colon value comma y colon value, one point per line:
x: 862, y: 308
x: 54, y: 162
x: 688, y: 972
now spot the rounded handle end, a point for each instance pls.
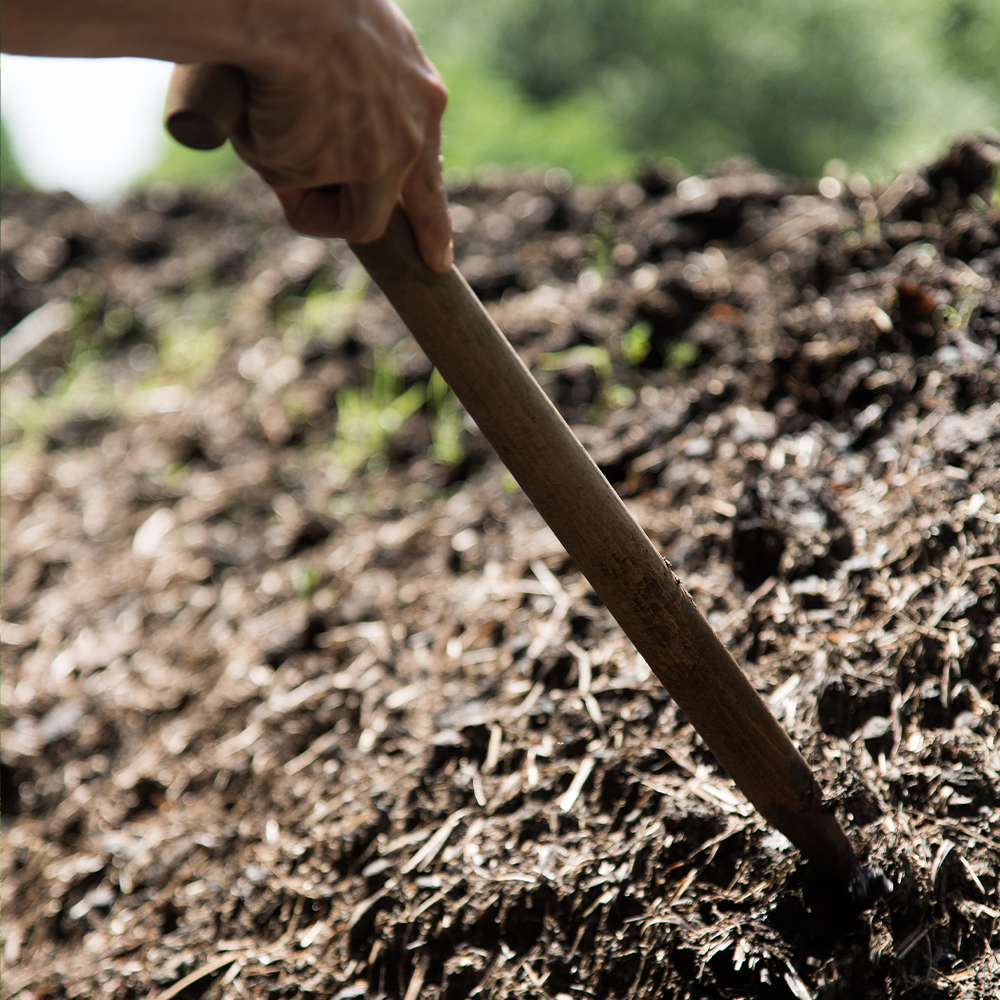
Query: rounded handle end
x: 205, y: 104
x: 194, y: 130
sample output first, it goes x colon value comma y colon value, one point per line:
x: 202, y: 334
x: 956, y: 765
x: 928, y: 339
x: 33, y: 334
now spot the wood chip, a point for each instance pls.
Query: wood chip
x: 430, y: 850
x: 567, y: 800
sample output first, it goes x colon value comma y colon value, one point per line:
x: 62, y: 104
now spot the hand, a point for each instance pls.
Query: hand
x: 350, y: 100
x: 339, y: 93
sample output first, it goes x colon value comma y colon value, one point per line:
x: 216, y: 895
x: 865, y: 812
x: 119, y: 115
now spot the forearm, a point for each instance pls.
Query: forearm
x: 175, y: 30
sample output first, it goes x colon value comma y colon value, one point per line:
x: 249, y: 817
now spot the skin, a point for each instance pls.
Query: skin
x: 339, y: 93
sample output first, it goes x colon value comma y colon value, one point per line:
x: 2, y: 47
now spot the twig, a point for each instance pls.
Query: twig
x: 567, y: 800
x: 968, y: 831
x: 205, y: 970
x: 430, y: 850
x: 913, y: 940
x: 417, y: 979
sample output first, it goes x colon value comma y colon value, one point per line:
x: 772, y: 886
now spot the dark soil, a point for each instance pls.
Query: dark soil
x: 273, y: 730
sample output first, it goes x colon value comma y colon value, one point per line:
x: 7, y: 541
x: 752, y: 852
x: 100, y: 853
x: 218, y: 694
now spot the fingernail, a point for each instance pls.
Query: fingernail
x: 447, y: 256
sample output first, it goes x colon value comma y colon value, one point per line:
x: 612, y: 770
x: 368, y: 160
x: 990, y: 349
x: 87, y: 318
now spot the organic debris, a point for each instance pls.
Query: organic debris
x: 295, y: 707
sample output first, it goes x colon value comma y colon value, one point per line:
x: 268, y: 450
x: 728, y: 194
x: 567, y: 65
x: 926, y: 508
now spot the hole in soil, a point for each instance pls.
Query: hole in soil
x: 533, y: 827
x: 265, y: 915
x: 188, y: 450
x: 843, y: 710
x: 169, y: 919
x: 462, y: 981
x: 477, y: 738
x: 524, y: 929
x: 78, y: 432
x: 10, y: 796
x: 757, y: 551
x: 52, y: 573
x: 304, y: 642
x: 560, y: 673
x: 146, y: 794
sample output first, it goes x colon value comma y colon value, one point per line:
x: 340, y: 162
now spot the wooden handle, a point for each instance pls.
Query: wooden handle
x: 204, y: 104
x: 602, y: 538
x: 606, y: 543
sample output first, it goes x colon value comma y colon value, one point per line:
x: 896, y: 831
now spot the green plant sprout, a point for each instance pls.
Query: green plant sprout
x: 82, y: 389
x: 187, y: 349
x: 584, y: 354
x: 635, y: 343
x: 305, y: 581
x: 324, y: 313
x: 188, y: 352
x: 369, y: 416
x: 682, y: 353
x: 445, y: 418
x: 600, y: 245
x: 613, y: 395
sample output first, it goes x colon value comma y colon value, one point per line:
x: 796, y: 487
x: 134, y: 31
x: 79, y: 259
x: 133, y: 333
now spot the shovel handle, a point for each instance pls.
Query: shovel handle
x: 603, y: 539
x: 204, y: 104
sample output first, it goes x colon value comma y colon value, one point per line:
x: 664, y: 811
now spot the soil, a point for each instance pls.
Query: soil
x: 272, y: 729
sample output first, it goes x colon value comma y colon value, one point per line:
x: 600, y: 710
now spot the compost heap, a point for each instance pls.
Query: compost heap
x: 301, y: 698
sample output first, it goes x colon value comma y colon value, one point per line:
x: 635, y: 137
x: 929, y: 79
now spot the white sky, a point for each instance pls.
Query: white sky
x: 89, y: 126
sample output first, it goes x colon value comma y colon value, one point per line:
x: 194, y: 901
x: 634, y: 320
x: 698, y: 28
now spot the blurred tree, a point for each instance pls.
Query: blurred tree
x: 791, y: 83
x: 587, y: 84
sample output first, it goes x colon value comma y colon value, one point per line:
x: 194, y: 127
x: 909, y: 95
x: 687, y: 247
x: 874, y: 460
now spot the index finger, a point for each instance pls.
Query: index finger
x: 425, y: 200
x: 357, y: 211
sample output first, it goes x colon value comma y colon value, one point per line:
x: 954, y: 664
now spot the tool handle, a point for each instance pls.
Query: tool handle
x: 606, y: 543
x: 204, y: 104
x: 604, y: 540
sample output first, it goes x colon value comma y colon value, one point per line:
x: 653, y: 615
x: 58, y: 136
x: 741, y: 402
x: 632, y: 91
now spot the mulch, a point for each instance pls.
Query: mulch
x: 271, y: 728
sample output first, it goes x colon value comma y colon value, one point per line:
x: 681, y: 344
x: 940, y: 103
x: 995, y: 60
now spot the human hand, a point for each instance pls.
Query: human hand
x: 347, y: 98
x: 338, y: 93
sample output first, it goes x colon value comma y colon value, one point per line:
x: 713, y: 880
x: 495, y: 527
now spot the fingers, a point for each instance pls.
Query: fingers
x: 425, y: 200
x: 367, y: 121
x: 357, y: 212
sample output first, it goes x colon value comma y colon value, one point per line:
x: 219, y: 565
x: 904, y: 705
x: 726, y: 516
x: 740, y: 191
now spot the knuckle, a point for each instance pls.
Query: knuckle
x: 411, y: 144
x: 438, y: 98
x: 369, y: 161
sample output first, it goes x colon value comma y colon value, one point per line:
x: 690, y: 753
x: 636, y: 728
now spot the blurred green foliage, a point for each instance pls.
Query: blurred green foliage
x: 970, y: 37
x: 791, y: 83
x: 787, y: 83
x: 592, y: 85
x: 490, y: 121
x: 11, y: 174
x: 370, y: 413
x: 203, y: 168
